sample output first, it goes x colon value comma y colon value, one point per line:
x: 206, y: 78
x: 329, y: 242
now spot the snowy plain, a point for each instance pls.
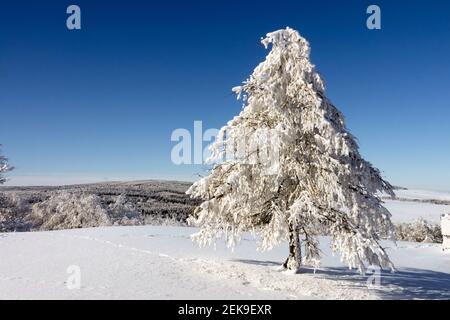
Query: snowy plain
x: 161, y: 262
x: 409, y: 205
x: 408, y: 211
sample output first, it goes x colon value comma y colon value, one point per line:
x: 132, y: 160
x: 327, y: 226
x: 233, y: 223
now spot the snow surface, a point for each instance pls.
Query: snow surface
x: 408, y: 211
x: 413, y: 204
x: 149, y: 262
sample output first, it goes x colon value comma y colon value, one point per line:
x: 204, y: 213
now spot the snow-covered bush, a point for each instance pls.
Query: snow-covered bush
x: 67, y: 210
x: 419, y: 231
x: 165, y: 220
x: 445, y: 224
x: 14, y: 207
x: 123, y: 212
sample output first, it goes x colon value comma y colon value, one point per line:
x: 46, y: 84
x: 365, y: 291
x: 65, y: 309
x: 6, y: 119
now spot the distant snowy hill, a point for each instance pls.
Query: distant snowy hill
x: 407, y: 211
x: 410, y: 205
x: 159, y: 201
x: 147, y: 262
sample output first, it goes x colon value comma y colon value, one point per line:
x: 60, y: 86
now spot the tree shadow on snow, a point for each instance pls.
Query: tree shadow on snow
x: 259, y: 263
x: 406, y: 283
x: 415, y: 284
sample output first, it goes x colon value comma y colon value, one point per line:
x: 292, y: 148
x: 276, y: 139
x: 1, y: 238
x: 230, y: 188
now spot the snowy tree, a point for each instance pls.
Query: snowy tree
x: 67, y: 210
x: 315, y: 180
x: 4, y: 167
x: 124, y: 212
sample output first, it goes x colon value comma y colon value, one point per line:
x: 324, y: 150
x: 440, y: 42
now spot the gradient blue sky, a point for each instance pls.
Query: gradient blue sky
x: 101, y: 103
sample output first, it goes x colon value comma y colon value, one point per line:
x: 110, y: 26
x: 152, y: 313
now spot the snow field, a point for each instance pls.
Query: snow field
x: 147, y: 262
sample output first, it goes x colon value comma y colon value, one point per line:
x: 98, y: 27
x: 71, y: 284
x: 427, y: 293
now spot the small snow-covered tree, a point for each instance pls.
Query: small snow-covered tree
x: 4, y: 167
x: 67, y: 210
x: 124, y: 212
x: 316, y: 181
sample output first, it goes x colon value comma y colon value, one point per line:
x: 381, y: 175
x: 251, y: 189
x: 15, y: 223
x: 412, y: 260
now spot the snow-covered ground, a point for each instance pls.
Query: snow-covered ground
x: 423, y: 194
x: 148, y: 262
x: 408, y: 211
x: 413, y: 204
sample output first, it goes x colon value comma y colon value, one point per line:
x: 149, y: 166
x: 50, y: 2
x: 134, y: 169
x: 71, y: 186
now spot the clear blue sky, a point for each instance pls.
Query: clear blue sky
x: 102, y: 102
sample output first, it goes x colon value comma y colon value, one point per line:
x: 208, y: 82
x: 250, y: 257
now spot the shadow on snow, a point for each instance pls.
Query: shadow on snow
x: 406, y: 283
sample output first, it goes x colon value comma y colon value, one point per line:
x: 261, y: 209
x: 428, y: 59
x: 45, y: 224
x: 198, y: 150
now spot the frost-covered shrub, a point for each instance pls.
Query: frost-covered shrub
x: 445, y: 226
x: 158, y: 220
x: 13, y: 209
x: 9, y: 220
x: 123, y: 212
x: 67, y: 210
x: 419, y: 231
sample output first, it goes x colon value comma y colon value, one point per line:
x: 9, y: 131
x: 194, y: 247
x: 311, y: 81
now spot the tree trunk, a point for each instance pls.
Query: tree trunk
x: 294, y: 260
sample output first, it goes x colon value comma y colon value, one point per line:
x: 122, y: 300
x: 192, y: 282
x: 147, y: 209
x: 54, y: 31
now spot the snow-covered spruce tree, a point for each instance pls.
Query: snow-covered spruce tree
x: 319, y: 181
x: 4, y: 167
